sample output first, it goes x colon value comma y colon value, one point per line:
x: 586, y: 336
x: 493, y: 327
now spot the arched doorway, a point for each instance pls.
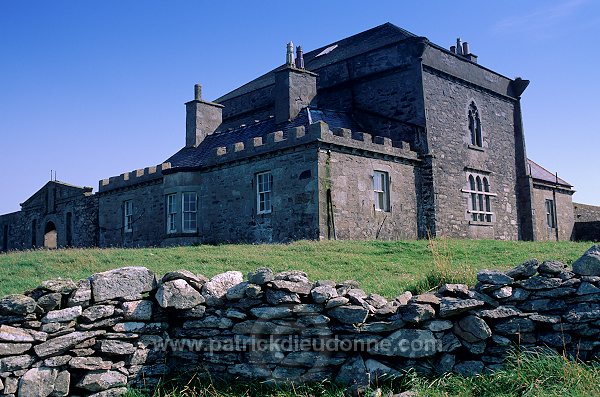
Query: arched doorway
x: 50, y: 235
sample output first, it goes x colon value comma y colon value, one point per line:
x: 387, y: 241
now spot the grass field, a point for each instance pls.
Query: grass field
x: 387, y: 268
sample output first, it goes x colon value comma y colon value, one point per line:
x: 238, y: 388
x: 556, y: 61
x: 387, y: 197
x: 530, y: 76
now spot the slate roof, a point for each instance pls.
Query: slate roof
x: 376, y: 37
x: 200, y: 156
x: 540, y: 173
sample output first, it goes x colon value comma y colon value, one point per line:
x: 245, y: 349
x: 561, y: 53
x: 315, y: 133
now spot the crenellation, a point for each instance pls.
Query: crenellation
x: 133, y: 177
x: 318, y: 131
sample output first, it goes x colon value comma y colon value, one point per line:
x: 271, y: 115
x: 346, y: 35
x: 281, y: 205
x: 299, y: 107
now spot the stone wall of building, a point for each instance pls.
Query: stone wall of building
x: 148, y: 224
x: 587, y: 222
x: 227, y: 199
x: 348, y: 211
x: 564, y: 213
x: 74, y: 217
x: 127, y: 327
x: 447, y: 101
x: 10, y: 237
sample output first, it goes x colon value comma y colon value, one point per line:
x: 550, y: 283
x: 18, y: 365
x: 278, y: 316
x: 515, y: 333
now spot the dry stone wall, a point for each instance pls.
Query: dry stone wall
x: 127, y: 328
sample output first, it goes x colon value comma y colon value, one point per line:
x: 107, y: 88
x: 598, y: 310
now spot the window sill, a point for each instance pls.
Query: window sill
x: 480, y: 223
x: 476, y: 148
x: 182, y: 234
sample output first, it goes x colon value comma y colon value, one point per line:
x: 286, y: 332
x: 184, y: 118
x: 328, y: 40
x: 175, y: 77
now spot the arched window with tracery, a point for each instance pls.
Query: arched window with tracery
x: 480, y: 198
x: 475, y: 126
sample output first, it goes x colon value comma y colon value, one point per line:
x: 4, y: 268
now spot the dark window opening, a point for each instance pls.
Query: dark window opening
x: 550, y: 214
x: 34, y: 233
x: 5, y: 238
x: 69, y: 229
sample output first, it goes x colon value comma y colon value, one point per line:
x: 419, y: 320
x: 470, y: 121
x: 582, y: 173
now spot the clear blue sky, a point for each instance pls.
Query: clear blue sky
x: 95, y: 88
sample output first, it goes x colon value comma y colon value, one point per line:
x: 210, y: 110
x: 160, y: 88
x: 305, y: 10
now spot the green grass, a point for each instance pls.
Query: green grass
x: 387, y: 268
x: 526, y: 375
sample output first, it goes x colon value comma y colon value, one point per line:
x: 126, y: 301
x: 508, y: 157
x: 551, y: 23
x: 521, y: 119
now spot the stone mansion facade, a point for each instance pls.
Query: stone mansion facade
x: 381, y: 135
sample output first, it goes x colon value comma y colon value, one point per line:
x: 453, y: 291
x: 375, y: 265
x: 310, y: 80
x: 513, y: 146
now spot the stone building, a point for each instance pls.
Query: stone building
x: 381, y: 135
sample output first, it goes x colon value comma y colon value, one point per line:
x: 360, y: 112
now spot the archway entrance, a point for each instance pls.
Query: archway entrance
x: 50, y: 235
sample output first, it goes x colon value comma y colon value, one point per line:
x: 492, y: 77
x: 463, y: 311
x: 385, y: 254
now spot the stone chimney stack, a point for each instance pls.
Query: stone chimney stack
x: 462, y: 48
x: 295, y: 87
x: 201, y: 118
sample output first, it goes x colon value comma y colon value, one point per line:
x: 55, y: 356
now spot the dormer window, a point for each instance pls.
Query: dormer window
x: 475, y: 126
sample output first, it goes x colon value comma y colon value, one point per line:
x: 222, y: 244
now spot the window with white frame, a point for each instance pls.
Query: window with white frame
x: 381, y: 190
x: 190, y: 211
x: 264, y: 188
x: 171, y: 213
x: 550, y: 214
x: 128, y: 216
x: 480, y: 198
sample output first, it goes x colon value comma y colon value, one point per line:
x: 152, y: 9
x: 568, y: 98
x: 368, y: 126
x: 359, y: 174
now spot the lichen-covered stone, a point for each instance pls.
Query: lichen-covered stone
x: 121, y: 283
x: 323, y: 293
x: 589, y: 263
x: 452, y: 306
x: 60, y: 285
x: 494, y: 277
x: 261, y: 276
x: 63, y: 315
x: 17, y: 304
x: 63, y: 343
x: 215, y: 289
x: 178, y: 294
x: 349, y: 314
x: 140, y: 310
x: 14, y: 334
x: 38, y: 382
x: 102, y: 380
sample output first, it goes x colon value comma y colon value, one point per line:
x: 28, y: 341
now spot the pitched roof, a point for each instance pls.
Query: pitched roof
x: 203, y: 154
x: 541, y: 174
x: 376, y: 37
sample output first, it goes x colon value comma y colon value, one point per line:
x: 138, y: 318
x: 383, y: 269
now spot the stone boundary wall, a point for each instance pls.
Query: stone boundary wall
x: 126, y: 327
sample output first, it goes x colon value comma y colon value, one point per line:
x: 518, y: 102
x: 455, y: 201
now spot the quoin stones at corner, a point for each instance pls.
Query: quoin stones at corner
x: 381, y: 135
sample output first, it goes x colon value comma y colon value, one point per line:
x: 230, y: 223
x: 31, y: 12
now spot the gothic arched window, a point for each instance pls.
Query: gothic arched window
x: 475, y: 126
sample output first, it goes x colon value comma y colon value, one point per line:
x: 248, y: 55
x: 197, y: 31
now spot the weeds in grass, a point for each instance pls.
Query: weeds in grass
x: 444, y: 269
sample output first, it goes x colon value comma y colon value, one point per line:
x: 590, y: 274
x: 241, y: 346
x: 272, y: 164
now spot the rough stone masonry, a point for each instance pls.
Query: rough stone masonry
x: 127, y: 328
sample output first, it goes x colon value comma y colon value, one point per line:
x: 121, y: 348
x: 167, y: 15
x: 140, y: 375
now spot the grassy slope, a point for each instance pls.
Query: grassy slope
x: 388, y: 268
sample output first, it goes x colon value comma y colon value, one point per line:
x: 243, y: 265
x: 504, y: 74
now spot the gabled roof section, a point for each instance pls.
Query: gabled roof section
x: 539, y: 173
x: 70, y: 191
x: 376, y: 37
x: 195, y: 157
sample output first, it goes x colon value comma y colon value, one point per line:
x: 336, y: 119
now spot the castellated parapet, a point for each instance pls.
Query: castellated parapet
x: 135, y: 177
x: 316, y: 132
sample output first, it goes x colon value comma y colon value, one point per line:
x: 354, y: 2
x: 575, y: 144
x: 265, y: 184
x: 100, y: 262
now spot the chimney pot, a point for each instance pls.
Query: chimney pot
x: 197, y: 92
x: 453, y: 49
x: 289, y: 56
x: 466, y: 50
x: 299, y: 58
x: 459, y: 46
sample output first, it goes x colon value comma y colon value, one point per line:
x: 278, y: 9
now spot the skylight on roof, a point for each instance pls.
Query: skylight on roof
x: 327, y: 50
